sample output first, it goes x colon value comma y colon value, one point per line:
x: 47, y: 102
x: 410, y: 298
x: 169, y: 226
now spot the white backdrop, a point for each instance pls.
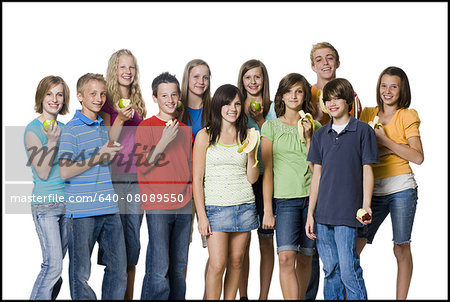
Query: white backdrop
x: 71, y: 39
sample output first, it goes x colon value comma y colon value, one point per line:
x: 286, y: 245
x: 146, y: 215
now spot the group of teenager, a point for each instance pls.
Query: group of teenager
x: 184, y: 163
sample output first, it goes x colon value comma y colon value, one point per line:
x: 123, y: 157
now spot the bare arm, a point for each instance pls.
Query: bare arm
x: 313, y: 193
x: 412, y: 152
x: 198, y: 171
x: 252, y: 172
x: 307, y: 126
x: 368, y: 180
x: 33, y: 143
x: 267, y: 158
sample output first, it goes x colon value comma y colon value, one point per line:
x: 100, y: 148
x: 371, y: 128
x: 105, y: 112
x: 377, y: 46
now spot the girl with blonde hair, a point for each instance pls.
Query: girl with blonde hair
x: 122, y: 82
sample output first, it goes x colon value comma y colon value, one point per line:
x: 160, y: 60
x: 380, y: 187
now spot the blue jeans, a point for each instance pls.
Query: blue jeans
x: 167, y: 256
x: 82, y: 234
x: 51, y: 228
x: 126, y: 188
x: 290, y: 221
x: 343, y: 274
x: 401, y: 206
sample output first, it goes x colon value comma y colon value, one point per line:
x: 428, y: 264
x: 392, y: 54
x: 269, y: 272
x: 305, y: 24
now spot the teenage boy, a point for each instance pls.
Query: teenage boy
x: 342, y: 152
x: 324, y: 62
x: 164, y: 153
x: 92, y: 212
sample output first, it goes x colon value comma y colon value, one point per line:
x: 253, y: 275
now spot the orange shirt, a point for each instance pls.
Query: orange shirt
x: 403, y: 125
x: 326, y: 118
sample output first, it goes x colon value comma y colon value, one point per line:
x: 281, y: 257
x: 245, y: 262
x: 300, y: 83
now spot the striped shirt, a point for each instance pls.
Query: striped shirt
x: 90, y: 193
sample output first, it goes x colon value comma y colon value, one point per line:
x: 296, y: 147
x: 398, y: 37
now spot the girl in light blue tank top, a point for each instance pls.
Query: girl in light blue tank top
x: 48, y: 207
x: 224, y: 199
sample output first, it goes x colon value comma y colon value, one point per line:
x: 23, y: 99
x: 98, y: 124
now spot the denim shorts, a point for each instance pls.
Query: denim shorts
x: 290, y: 221
x: 259, y: 202
x: 238, y: 218
x: 401, y: 206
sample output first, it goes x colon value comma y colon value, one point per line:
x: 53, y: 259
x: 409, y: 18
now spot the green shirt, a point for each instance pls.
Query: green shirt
x: 291, y: 173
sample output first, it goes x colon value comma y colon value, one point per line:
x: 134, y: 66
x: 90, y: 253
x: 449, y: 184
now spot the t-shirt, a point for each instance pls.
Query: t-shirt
x: 342, y: 157
x: 356, y: 107
x: 168, y: 184
x: 89, y: 193
x: 291, y: 173
x: 51, y: 189
x: 403, y: 125
x: 196, y: 120
x: 251, y: 123
x: 126, y: 161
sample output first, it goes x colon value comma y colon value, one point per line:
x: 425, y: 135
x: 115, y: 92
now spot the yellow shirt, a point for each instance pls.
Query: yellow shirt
x: 403, y: 125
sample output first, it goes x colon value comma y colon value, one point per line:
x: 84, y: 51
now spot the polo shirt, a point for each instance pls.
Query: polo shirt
x: 90, y: 193
x: 342, y: 157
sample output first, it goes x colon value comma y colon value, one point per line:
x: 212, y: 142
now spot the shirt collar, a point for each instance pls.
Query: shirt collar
x: 351, y: 126
x: 87, y: 120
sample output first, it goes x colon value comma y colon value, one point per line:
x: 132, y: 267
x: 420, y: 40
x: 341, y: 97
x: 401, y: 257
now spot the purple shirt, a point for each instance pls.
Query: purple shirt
x: 125, y: 162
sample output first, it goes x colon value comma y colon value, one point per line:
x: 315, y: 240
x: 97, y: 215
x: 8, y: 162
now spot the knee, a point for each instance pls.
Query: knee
x: 216, y: 268
x: 286, y: 260
x: 303, y: 260
x: 235, y: 262
x: 402, y: 251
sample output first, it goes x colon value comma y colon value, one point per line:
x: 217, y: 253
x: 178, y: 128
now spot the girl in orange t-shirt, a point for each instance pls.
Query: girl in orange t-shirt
x: 395, y: 189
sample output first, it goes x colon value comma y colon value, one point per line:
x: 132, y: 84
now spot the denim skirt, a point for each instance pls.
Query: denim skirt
x: 238, y: 218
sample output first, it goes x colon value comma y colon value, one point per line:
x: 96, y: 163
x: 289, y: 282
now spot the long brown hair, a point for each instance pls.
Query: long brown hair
x: 405, y: 91
x: 286, y: 83
x: 224, y: 95
x: 206, y: 97
x: 250, y: 64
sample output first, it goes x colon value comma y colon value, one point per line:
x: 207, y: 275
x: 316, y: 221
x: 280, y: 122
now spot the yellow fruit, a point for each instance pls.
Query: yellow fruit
x: 124, y: 103
x: 251, y: 142
x: 300, y: 129
x: 47, y: 124
x: 322, y: 104
x: 374, y: 124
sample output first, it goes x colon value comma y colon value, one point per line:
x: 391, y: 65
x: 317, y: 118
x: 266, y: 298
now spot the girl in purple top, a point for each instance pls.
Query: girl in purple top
x: 122, y: 82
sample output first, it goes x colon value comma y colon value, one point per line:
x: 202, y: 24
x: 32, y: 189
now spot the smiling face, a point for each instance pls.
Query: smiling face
x: 293, y: 98
x: 53, y: 101
x: 93, y: 98
x: 199, y: 80
x: 325, y: 63
x: 390, y: 89
x: 167, y: 98
x: 126, y: 70
x: 232, y: 111
x: 337, y: 107
x: 253, y: 81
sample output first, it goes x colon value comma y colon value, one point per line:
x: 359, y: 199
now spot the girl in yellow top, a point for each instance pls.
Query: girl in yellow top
x: 395, y: 189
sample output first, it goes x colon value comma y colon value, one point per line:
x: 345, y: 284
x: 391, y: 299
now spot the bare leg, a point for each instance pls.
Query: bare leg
x: 218, y: 258
x: 243, y: 283
x: 206, y: 270
x: 405, y: 268
x: 237, y: 242
x: 266, y: 249
x: 303, y: 272
x: 360, y: 244
x: 131, y: 273
x: 288, y: 278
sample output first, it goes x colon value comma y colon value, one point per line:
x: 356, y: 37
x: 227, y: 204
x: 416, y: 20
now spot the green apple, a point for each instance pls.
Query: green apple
x: 179, y: 106
x: 124, y: 103
x: 47, y: 124
x: 255, y: 105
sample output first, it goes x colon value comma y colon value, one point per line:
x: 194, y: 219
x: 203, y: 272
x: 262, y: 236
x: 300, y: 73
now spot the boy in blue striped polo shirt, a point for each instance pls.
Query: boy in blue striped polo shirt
x: 91, y: 209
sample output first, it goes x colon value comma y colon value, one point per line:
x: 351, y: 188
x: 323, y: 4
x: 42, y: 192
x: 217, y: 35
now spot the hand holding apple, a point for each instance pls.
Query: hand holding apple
x: 48, y: 123
x: 255, y: 105
x: 363, y: 216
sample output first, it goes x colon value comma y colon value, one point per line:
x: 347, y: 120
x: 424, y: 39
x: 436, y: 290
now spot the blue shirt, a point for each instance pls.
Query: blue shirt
x: 342, y: 157
x: 196, y: 120
x: 52, y: 189
x: 90, y: 193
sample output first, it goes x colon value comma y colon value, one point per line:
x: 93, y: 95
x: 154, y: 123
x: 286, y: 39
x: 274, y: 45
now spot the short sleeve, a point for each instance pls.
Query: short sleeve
x: 68, y: 146
x: 267, y: 130
x: 314, y: 154
x: 271, y: 115
x: 411, y: 123
x: 370, y: 147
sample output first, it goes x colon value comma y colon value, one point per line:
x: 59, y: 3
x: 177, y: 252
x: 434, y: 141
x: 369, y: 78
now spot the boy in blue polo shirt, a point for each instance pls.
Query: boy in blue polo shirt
x: 92, y: 211
x: 342, y: 152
